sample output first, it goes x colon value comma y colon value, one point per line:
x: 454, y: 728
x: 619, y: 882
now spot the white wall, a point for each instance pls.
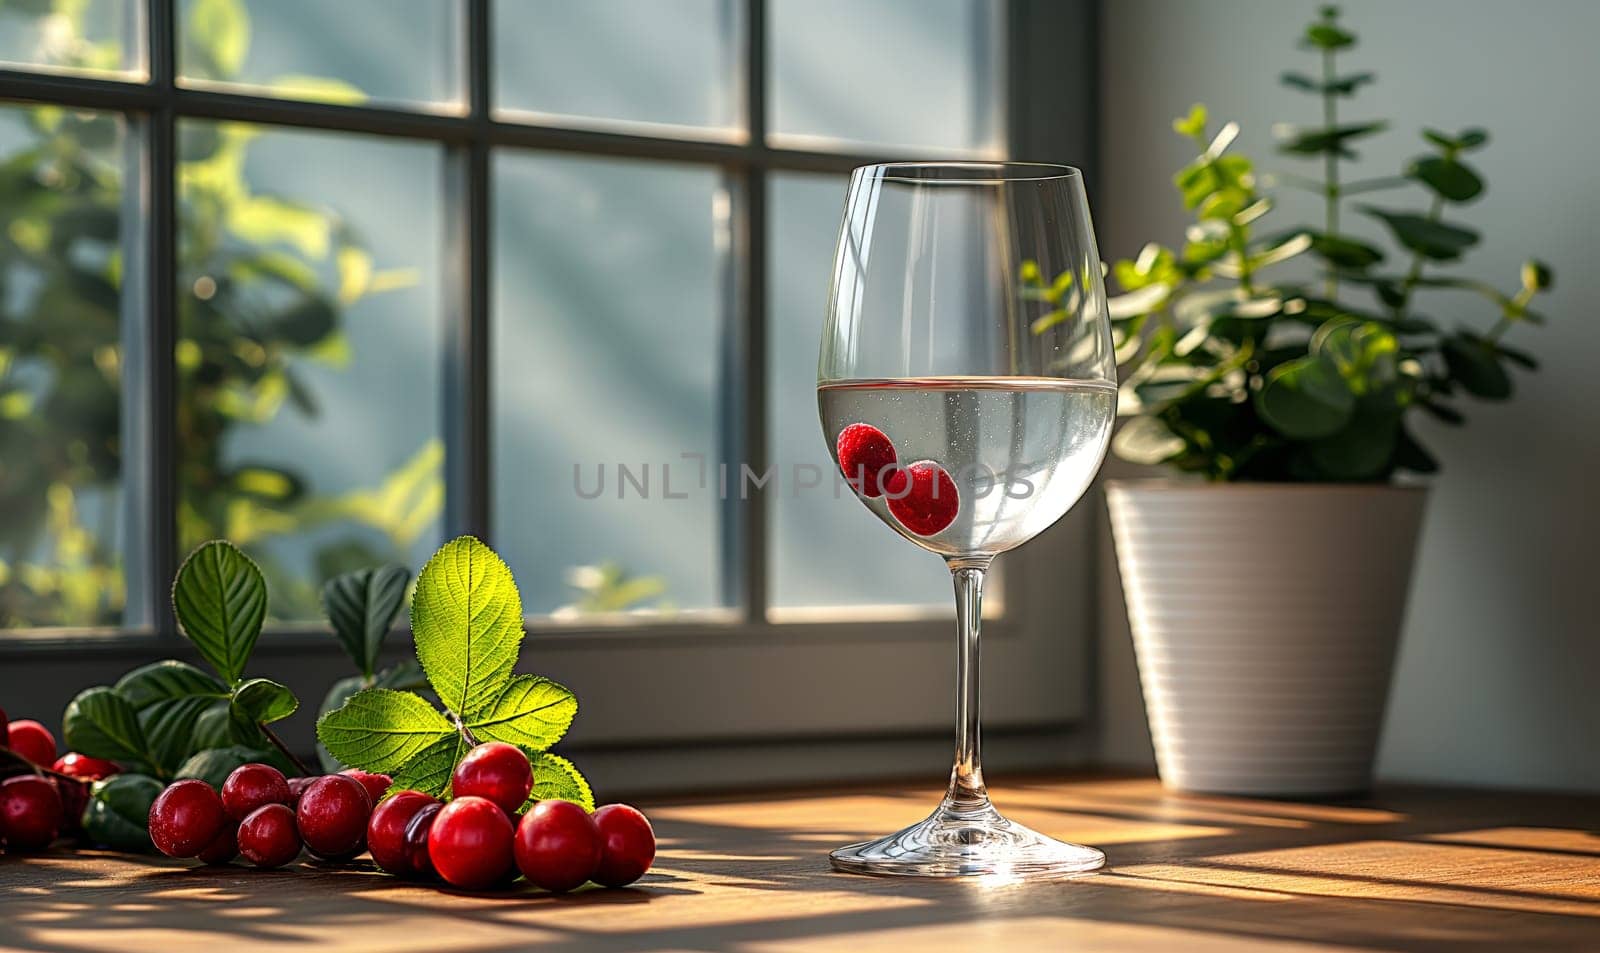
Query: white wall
x: 1499, y: 674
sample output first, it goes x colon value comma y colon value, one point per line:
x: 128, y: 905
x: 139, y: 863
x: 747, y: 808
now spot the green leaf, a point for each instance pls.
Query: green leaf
x: 1297, y: 141
x: 1340, y: 86
x: 1466, y: 139
x: 1194, y: 124
x: 532, y: 712
x: 101, y: 724
x: 466, y: 618
x: 1147, y: 441
x: 118, y: 812
x: 261, y: 701
x: 1306, y: 399
x: 361, y: 606
x: 382, y: 730
x: 1473, y: 363
x: 1342, y: 251
x: 1448, y: 178
x: 557, y: 779
x: 1326, y: 36
x: 1413, y: 456
x: 1426, y: 237
x: 1363, y: 450
x: 1518, y: 357
x: 221, y: 601
x: 429, y: 771
x: 173, y: 699
x: 215, y: 764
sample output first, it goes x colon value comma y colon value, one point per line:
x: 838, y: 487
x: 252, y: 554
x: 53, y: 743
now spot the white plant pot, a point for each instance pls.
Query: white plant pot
x: 1265, y: 619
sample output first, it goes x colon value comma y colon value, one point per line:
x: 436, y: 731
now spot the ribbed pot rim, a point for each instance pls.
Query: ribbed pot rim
x: 1163, y: 485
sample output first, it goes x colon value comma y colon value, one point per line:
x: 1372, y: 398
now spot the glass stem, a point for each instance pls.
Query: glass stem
x: 967, y: 792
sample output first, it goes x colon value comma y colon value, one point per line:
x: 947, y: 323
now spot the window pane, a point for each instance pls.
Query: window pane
x: 60, y: 368
x: 309, y: 351
x: 351, y: 51
x: 601, y: 61
x: 886, y: 73
x: 608, y: 278
x: 811, y: 527
x: 94, y: 37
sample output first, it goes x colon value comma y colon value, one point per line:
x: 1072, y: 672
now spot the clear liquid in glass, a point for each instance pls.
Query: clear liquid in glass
x: 1020, y: 450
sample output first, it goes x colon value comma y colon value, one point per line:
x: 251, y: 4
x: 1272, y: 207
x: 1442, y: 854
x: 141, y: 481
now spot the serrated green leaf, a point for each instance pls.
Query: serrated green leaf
x: 263, y: 701
x: 214, y: 765
x: 118, y: 812
x: 557, y: 779
x: 532, y: 712
x: 173, y: 700
x: 101, y: 724
x: 429, y: 771
x: 338, y: 693
x: 466, y: 618
x: 221, y: 600
x: 382, y: 730
x: 361, y: 606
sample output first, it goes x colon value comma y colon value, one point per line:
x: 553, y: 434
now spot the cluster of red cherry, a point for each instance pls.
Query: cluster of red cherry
x: 475, y: 841
x: 921, y: 495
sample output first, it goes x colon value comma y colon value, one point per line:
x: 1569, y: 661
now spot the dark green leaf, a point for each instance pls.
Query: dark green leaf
x: 1518, y: 357
x: 1306, y: 399
x: 1428, y: 238
x: 173, y: 699
x: 1334, y: 139
x: 101, y: 724
x: 1326, y: 36
x: 338, y: 694
x: 214, y: 765
x: 1472, y: 138
x: 1343, y: 251
x: 362, y: 606
x: 1452, y: 180
x: 1413, y: 456
x: 1443, y: 412
x: 118, y: 812
x: 262, y: 701
x: 1364, y: 449
x: 1474, y: 364
x: 1340, y: 86
x: 221, y: 600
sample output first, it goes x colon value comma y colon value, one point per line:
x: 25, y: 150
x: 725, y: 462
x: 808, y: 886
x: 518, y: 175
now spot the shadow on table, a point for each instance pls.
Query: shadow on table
x: 1370, y: 875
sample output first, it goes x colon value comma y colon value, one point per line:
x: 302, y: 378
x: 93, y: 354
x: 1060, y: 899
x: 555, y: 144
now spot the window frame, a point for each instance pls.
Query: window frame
x: 800, y: 678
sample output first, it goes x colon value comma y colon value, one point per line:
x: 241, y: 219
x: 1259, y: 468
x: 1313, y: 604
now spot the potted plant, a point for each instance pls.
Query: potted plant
x: 1266, y: 598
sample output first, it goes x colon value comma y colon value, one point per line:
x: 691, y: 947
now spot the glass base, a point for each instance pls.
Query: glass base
x: 968, y: 843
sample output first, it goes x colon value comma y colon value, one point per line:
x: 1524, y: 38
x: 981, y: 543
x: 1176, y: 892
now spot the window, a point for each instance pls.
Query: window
x: 339, y: 281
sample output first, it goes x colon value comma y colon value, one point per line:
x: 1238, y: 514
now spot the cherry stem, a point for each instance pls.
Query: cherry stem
x: 277, y: 742
x: 461, y: 726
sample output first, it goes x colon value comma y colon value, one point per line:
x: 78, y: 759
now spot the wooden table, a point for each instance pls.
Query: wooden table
x: 1411, y: 869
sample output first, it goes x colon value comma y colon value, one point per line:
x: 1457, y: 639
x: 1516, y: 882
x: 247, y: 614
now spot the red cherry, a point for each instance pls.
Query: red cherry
x: 268, y: 837
x: 470, y: 843
x: 5, y: 730
x: 388, y: 834
x: 30, y: 812
x: 558, y: 845
x: 930, y: 503
x: 186, y: 818
x: 497, y: 772
x: 866, y: 457
x: 75, y: 765
x: 297, y: 787
x: 377, y: 785
x: 223, y: 848
x: 332, y: 817
x: 33, y: 741
x: 627, y: 845
x: 251, y: 786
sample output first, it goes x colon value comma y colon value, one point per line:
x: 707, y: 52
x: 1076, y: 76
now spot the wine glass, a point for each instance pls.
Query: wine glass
x: 967, y: 386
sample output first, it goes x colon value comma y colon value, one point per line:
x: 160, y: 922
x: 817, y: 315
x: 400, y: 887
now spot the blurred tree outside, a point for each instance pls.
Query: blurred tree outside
x: 264, y: 283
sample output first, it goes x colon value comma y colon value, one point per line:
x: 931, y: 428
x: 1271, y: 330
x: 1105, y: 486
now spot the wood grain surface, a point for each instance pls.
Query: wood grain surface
x: 1408, y: 869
